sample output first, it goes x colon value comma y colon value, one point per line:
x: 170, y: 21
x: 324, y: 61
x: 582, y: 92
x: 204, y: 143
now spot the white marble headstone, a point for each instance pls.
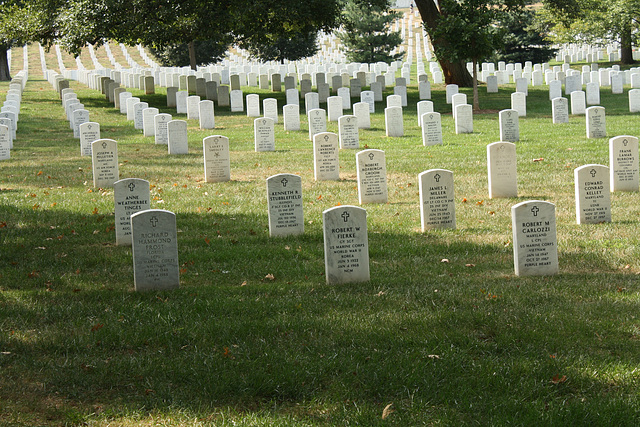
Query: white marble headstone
x: 623, y: 163
x: 217, y: 164
x: 593, y: 197
x: 160, y: 122
x: 285, y: 212
x: 596, y: 122
x: 509, y: 126
x: 326, y: 166
x: 177, y: 137
x: 264, y: 134
x: 348, y: 132
x: 535, y: 245
x: 317, y: 122
x: 346, y: 245
x: 437, y: 201
x: 104, y: 156
x: 372, y: 176
x: 431, y: 129
x: 130, y: 195
x: 89, y: 132
x: 502, y: 170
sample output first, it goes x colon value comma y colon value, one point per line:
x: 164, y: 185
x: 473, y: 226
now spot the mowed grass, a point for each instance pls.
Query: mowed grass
x: 444, y: 332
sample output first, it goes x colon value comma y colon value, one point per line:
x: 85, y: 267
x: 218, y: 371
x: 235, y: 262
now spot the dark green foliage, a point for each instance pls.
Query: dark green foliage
x: 365, y: 33
x: 296, y: 46
x: 520, y: 42
x: 207, y: 52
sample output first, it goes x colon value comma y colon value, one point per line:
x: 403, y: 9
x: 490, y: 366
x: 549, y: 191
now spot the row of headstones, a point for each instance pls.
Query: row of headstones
x: 572, y: 53
x: 10, y: 112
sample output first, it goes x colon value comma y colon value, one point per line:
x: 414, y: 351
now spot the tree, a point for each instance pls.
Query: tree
x: 366, y: 34
x: 594, y: 22
x: 278, y: 48
x: 469, y: 30
x: 206, y: 52
x: 522, y: 42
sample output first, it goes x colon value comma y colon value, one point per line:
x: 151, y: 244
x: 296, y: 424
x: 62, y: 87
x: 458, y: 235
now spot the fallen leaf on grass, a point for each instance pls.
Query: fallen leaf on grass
x: 557, y: 379
x: 444, y: 260
x: 269, y: 277
x: 469, y: 265
x: 387, y: 411
x: 97, y: 327
x: 538, y: 160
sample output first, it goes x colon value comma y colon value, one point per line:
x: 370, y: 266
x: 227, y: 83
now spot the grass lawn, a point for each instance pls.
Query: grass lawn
x: 254, y: 336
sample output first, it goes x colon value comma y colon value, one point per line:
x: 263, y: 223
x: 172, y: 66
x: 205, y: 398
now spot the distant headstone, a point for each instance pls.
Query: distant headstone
x: 535, y: 245
x: 372, y: 176
x: 89, y: 132
x: 596, y: 123
x: 177, y: 137
x: 161, y: 133
x: 224, y: 99
x: 311, y: 101
x: 578, y: 102
x: 464, y: 119
x: 451, y: 90
x: 206, y: 114
x: 509, y: 126
x: 519, y: 103
x: 291, y: 117
x: 193, y: 110
x: 346, y: 245
x: 555, y: 89
x: 181, y: 101
x: 326, y: 166
x: 424, y: 107
x: 5, y: 142
x: 148, y: 125
x: 284, y: 197
x: 492, y: 84
x: 593, y: 197
x: 317, y: 122
x: 130, y: 195
x: 368, y: 97
x: 437, y: 202
x: 217, y: 164
x: 502, y: 170
x: 634, y: 100
x: 123, y: 101
x: 79, y: 117
x: 253, y: 105
x: 431, y: 129
x: 348, y: 132
x: 393, y: 120
x: 424, y: 90
x: 155, y: 250
x: 270, y: 109
x: 362, y: 112
x: 560, y: 110
x: 104, y: 157
x: 264, y: 134
x: 593, y: 93
x: 171, y: 97
x: 236, y: 101
x: 334, y: 108
x: 623, y: 163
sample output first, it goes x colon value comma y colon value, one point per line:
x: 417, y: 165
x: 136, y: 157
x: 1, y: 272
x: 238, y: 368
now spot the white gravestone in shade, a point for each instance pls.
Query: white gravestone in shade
x: 171, y: 97
x: 177, y: 137
x: 437, y: 202
x: 623, y: 163
x: 519, y: 103
x: 424, y: 107
x: 431, y: 129
x: 131, y: 115
x: 148, y: 124
x: 346, y: 245
x: 348, y: 132
x: 217, y: 160
x: 253, y: 105
x: 7, y: 122
x: 334, y: 108
x: 372, y: 176
x: 502, y: 170
x: 311, y: 102
x: 464, y: 119
x: 326, y: 165
x: 560, y: 110
x: 193, y: 112
x: 596, y: 122
x: 317, y: 122
x: 492, y: 84
x: 292, y: 96
x: 160, y: 122
x: 123, y: 101
x: 368, y: 97
x: 593, y: 93
x: 155, y: 250
x: 394, y: 101
x: 181, y: 101
x: 236, y: 100
x: 270, y: 109
x: 393, y: 120
x: 616, y: 84
x: 451, y: 90
x: 264, y: 134
x: 555, y: 89
x: 5, y: 142
x: 223, y: 96
x: 509, y: 126
x: 207, y: 115
x: 535, y: 245
x: 578, y: 103
x: 130, y: 195
x: 89, y: 132
x: 104, y: 157
x: 593, y: 197
x: 291, y: 117
x: 361, y: 111
x: 79, y: 117
x: 401, y: 91
x: 424, y: 90
x: 284, y: 199
x: 634, y: 100
x: 457, y: 99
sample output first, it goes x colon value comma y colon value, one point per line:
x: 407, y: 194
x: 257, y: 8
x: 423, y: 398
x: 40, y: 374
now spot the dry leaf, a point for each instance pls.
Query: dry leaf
x: 557, y: 379
x: 269, y: 277
x: 387, y: 411
x: 444, y: 260
x: 244, y: 283
x: 469, y: 265
x: 538, y: 160
x: 97, y: 327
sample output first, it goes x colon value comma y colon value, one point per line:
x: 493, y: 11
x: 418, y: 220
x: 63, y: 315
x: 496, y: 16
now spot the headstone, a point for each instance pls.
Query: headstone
x: 182, y: 102
x: 326, y: 166
x: 362, y: 111
x: 124, y: 96
x: 593, y: 197
x: 104, y: 157
x: 401, y: 91
x: 217, y: 164
x: 311, y: 102
x: 236, y: 101
x: 224, y: 99
x: 593, y: 93
x: 172, y: 97
x: 616, y: 84
x: 372, y: 176
x: 148, y: 125
x: 535, y: 245
x: 264, y: 134
x: 394, y: 101
x: 291, y: 117
x: 155, y: 250
x: 348, y: 132
x: 161, y: 132
x: 334, y: 108
x: 270, y: 109
x: 451, y: 90
x: 393, y: 120
x: 193, y: 104
x: 555, y: 89
x: 368, y: 97
x: 346, y: 245
x: 492, y: 84
x: 130, y: 195
x: 431, y: 129
x: 457, y: 99
x: 596, y: 122
x: 519, y: 103
x: 509, y: 126
x: 560, y: 110
x: 284, y: 196
x: 177, y: 137
x: 5, y: 142
x: 578, y: 103
x: 424, y: 90
x: 502, y: 170
x: 623, y: 163
x: 89, y: 132
x: 79, y: 117
x: 437, y: 202
x: 634, y: 100
x: 149, y: 85
x: 253, y: 105
x: 464, y: 119
x: 317, y: 122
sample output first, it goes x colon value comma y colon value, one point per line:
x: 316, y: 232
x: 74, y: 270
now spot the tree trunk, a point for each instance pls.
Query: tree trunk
x: 476, y: 101
x: 192, y: 56
x: 454, y: 72
x: 5, y: 76
x: 626, y: 52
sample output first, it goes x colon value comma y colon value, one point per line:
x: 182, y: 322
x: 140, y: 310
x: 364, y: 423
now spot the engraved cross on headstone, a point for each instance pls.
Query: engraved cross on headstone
x: 284, y: 182
x: 437, y: 177
x: 154, y: 221
x: 593, y: 173
x: 534, y: 210
x: 371, y: 156
x: 345, y: 216
x: 131, y: 186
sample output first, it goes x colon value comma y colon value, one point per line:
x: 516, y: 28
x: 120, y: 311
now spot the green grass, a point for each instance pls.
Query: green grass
x: 463, y: 342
